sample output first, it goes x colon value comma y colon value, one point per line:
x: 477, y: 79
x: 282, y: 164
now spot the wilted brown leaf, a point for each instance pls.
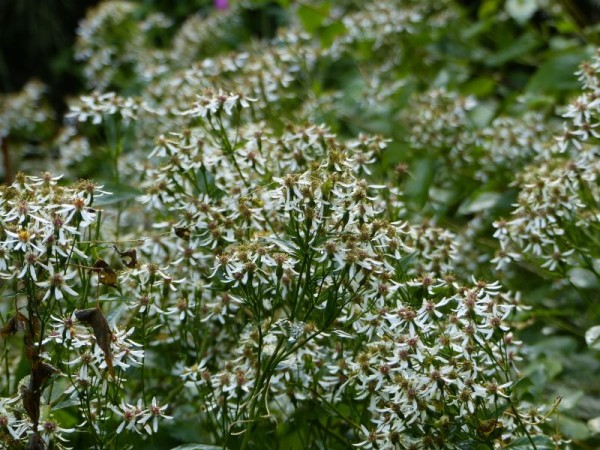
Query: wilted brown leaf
x: 15, y: 323
x: 183, y: 233
x: 106, y: 275
x: 36, y: 442
x: 40, y: 373
x: 94, y: 318
x: 31, y: 402
x: 128, y: 257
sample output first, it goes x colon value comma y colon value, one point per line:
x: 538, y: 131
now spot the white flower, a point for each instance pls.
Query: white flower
x: 23, y: 240
x: 125, y: 352
x: 56, y: 283
x: 51, y: 430
x: 79, y: 205
x: 151, y: 416
x: 17, y: 428
x: 132, y: 416
x: 521, y: 10
x: 137, y: 419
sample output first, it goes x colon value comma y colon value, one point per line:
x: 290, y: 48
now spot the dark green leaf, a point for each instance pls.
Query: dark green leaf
x: 417, y: 188
x: 197, y: 447
x: 330, y: 32
x: 119, y: 193
x: 541, y: 442
x: 312, y: 16
x: 558, y: 73
x: 573, y: 428
x: 525, y: 44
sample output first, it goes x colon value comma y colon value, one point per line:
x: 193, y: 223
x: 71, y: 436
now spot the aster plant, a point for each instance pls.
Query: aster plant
x: 255, y: 274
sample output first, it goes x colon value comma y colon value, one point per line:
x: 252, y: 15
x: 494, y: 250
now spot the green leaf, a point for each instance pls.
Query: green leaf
x: 558, y: 73
x: 206, y: 183
x: 555, y: 344
x: 285, y: 245
x: 583, y: 278
x: 66, y: 404
x: 541, y: 443
x: 573, y: 429
x: 484, y: 112
x: 119, y: 193
x: 481, y: 201
x: 417, y: 188
x: 489, y: 8
x: 527, y: 43
x: 329, y: 33
x: 312, y: 17
x: 522, y: 386
x: 112, y: 317
x: 570, y: 398
x: 197, y: 447
x: 553, y: 367
x: 477, y: 28
x: 536, y: 373
x: 480, y: 87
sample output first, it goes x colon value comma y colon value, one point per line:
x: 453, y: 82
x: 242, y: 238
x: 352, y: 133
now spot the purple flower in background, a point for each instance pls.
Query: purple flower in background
x: 221, y: 4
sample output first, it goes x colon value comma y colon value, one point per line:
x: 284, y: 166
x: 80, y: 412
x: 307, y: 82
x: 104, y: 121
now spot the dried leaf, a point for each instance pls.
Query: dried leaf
x: 36, y: 442
x: 40, y: 373
x: 15, y: 323
x: 109, y: 365
x: 106, y: 275
x: 31, y: 393
x: 128, y: 257
x: 31, y: 350
x: 94, y: 318
x: 183, y: 233
x: 100, y: 264
x: 31, y: 402
x: 489, y: 427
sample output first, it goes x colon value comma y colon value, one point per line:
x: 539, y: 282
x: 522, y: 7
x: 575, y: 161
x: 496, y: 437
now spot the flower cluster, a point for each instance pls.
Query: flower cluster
x: 382, y: 23
x: 109, y: 43
x: 200, y: 36
x: 443, y: 127
x: 437, y: 361
x: 282, y: 229
x: 255, y: 264
x: 23, y: 111
x: 49, y: 235
x: 95, y: 107
x: 136, y: 418
x: 556, y: 216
